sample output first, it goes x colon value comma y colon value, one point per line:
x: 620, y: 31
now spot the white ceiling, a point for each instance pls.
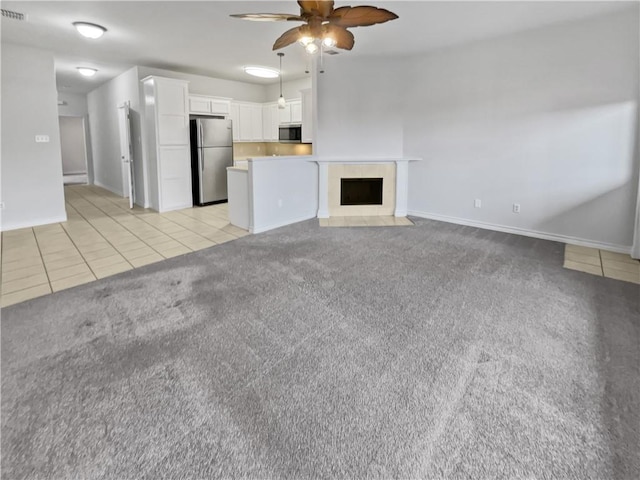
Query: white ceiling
x: 199, y: 36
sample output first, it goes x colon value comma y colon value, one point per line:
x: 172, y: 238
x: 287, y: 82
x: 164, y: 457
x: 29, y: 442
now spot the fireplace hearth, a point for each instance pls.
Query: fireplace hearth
x: 361, y: 191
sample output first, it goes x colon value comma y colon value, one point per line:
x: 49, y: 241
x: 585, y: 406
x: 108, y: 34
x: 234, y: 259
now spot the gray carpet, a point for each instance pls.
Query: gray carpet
x: 434, y: 351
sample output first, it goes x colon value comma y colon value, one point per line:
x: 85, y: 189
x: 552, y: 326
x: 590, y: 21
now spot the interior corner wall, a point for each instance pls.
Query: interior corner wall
x: 359, y: 108
x: 546, y: 119
x: 103, y: 103
x: 32, y: 185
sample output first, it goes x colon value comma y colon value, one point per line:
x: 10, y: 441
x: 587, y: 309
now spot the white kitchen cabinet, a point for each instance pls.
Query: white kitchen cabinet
x: 270, y: 122
x: 256, y: 123
x: 235, y: 121
x: 167, y: 129
x: 248, y: 123
x: 205, y: 105
x: 291, y: 113
x: 284, y: 114
x: 307, y: 116
x: 296, y: 111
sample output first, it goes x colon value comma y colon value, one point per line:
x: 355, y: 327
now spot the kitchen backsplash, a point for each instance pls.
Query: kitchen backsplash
x: 261, y: 149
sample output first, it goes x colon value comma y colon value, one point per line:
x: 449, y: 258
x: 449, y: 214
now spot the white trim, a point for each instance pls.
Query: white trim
x: 48, y: 221
x: 102, y: 185
x: 264, y: 228
x: 524, y: 232
x: 184, y: 206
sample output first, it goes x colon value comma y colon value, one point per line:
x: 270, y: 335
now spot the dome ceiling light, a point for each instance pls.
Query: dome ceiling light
x: 87, y: 72
x: 262, y: 72
x: 89, y: 30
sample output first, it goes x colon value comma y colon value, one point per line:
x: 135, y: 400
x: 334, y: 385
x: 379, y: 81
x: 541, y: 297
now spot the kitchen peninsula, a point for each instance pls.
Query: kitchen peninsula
x: 270, y: 192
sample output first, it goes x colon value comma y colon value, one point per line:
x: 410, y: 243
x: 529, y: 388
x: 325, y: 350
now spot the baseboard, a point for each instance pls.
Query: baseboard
x: 524, y: 232
x: 112, y: 190
x: 264, y: 228
x: 37, y: 223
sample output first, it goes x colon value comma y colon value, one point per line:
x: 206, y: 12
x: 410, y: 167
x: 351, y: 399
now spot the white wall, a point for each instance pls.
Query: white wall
x: 75, y: 105
x: 103, y: 105
x: 359, y: 108
x: 282, y: 190
x: 546, y: 119
x: 72, y: 145
x: 32, y: 187
x: 202, y: 85
x: 290, y: 89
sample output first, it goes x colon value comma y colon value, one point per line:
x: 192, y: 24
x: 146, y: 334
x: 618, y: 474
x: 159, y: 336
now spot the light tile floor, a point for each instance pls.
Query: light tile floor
x: 602, y: 263
x: 374, y: 221
x: 102, y: 237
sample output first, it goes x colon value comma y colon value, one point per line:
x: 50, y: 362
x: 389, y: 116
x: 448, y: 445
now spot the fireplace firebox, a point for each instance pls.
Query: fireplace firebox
x: 361, y: 191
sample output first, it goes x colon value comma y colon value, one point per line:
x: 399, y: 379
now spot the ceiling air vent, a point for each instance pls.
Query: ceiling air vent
x: 13, y: 15
x: 331, y: 52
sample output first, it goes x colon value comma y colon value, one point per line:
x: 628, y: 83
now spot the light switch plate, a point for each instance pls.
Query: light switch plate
x: 42, y: 138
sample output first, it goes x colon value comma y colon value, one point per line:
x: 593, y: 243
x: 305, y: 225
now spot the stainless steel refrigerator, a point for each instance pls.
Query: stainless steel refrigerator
x: 211, y: 154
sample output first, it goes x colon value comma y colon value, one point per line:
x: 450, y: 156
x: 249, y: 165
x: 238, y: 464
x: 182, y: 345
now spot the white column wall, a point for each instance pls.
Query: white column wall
x: 31, y: 173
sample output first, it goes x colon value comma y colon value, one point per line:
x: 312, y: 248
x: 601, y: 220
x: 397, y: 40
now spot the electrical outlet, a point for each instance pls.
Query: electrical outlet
x: 42, y: 138
x: 516, y: 208
x: 477, y: 203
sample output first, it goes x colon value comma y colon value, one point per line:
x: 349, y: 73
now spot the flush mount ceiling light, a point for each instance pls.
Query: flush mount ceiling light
x: 89, y: 30
x: 261, y: 72
x: 323, y: 25
x: 87, y: 72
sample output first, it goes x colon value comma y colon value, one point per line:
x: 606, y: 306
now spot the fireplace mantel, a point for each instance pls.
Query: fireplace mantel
x: 401, y: 186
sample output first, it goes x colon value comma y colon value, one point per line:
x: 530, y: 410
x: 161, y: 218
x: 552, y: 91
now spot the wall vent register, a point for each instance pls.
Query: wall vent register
x: 361, y: 191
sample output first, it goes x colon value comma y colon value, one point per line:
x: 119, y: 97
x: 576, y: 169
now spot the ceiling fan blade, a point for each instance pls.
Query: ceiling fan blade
x: 287, y: 38
x: 268, y: 17
x: 360, y: 16
x: 343, y: 37
x: 310, y: 7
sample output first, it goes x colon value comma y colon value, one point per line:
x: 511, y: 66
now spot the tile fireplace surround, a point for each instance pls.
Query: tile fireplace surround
x: 393, y: 171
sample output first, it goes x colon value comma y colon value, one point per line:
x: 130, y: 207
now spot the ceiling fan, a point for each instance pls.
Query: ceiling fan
x: 324, y: 24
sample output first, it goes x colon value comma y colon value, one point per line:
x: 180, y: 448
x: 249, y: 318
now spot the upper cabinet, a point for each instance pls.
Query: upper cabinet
x: 270, y: 122
x: 291, y: 113
x: 307, y: 116
x: 259, y: 122
x: 204, y: 105
x: 246, y: 118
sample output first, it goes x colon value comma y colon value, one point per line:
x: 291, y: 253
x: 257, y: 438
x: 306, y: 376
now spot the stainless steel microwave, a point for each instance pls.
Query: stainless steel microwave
x: 290, y: 133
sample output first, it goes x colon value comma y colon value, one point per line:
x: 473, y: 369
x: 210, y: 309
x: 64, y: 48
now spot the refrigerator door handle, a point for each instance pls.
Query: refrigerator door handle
x: 201, y: 142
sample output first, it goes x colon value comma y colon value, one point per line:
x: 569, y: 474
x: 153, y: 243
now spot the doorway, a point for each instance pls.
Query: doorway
x: 73, y: 149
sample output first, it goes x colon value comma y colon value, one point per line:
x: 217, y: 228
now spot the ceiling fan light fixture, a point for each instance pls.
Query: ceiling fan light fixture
x: 262, y: 72
x: 87, y: 72
x: 306, y: 40
x: 329, y: 42
x: 89, y: 30
x: 311, y: 48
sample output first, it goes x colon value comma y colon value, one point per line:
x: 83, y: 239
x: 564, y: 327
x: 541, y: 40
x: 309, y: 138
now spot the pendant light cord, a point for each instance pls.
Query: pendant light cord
x: 281, y: 55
